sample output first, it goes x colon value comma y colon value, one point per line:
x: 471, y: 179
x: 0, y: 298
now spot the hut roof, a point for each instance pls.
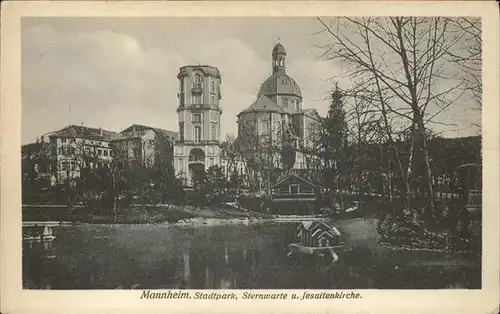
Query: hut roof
x: 294, y: 176
x: 306, y: 225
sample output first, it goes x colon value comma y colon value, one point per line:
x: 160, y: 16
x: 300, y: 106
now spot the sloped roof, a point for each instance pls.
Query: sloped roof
x: 205, y: 69
x: 263, y: 103
x: 278, y: 48
x: 306, y: 224
x: 142, y: 128
x: 294, y: 176
x: 332, y: 232
x: 279, y: 83
x: 81, y: 131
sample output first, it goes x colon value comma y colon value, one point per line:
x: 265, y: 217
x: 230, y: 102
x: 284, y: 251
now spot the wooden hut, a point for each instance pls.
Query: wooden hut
x: 294, y: 195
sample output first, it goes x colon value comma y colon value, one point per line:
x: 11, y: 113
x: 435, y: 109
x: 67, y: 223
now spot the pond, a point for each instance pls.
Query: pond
x: 235, y: 256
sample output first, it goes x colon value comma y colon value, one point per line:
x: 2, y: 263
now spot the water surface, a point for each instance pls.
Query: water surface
x: 230, y: 256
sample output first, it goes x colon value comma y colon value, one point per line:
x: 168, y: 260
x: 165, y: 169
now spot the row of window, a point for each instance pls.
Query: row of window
x: 198, y: 132
x: 292, y: 104
x: 70, y: 150
x: 197, y: 98
x: 198, y: 84
x: 263, y: 127
x: 197, y: 117
x: 65, y: 140
x: 279, y: 62
x: 72, y: 165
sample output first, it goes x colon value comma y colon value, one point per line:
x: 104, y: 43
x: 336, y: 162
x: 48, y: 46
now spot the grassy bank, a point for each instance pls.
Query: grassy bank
x: 150, y: 214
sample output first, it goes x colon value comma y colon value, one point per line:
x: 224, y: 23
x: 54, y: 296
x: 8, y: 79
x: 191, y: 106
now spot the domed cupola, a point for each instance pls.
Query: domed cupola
x: 279, y: 83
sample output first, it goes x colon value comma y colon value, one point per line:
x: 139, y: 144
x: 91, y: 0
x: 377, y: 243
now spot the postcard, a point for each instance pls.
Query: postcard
x: 234, y: 157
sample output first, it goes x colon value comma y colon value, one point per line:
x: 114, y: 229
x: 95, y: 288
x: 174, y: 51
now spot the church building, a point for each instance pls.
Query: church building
x: 277, y: 120
x: 198, y: 143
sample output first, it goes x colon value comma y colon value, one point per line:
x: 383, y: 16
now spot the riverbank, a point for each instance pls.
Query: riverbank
x: 156, y: 214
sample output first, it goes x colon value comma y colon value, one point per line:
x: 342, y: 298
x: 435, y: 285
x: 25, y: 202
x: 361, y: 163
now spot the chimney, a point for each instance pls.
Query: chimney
x: 82, y: 127
x: 100, y: 131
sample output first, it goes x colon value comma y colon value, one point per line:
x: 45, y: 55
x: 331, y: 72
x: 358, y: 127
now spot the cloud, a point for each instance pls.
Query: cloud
x: 116, y: 72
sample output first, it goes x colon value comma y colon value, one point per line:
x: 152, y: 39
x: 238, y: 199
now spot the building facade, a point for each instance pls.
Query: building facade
x: 75, y: 147
x: 275, y: 128
x: 198, y: 143
x: 143, y: 145
x: 62, y: 154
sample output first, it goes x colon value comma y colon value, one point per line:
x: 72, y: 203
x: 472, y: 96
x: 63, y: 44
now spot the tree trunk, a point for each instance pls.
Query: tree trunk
x: 113, y: 178
x: 410, y: 166
x: 427, y: 165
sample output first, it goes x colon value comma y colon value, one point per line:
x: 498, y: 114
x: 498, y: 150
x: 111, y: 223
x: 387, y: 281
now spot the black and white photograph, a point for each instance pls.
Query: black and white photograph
x: 251, y: 153
x: 165, y: 159
x: 216, y: 159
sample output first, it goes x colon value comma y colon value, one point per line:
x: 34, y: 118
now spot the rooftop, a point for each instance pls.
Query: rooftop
x: 137, y: 130
x: 80, y: 131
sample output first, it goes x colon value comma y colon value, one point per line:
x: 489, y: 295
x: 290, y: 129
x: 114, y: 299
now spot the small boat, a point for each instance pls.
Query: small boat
x: 47, y: 234
x: 318, y: 239
x: 38, y: 233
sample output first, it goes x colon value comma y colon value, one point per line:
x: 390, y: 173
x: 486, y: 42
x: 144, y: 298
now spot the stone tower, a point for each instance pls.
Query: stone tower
x: 198, y: 144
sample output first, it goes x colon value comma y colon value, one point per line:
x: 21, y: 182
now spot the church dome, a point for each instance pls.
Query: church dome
x: 279, y: 83
x: 278, y: 48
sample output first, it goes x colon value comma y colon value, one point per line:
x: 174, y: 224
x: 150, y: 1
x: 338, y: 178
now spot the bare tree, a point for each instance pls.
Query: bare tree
x: 469, y: 56
x: 260, y: 146
x: 403, y: 62
x: 229, y: 152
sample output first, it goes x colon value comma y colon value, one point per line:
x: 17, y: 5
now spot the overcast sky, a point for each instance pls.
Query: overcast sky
x: 114, y: 72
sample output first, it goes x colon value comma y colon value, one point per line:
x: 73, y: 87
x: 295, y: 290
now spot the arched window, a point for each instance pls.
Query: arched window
x: 214, y: 132
x: 198, y: 81
x: 181, y: 131
x: 197, y: 134
x: 197, y: 154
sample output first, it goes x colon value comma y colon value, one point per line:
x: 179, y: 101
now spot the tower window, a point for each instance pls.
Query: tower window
x: 213, y: 99
x: 198, y: 81
x: 285, y: 102
x: 181, y: 131
x: 196, y: 99
x: 197, y: 134
x: 196, y: 117
x: 214, y: 132
x: 212, y: 88
x: 181, y: 98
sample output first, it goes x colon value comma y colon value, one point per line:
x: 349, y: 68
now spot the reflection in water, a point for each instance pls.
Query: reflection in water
x: 185, y: 257
x: 225, y: 257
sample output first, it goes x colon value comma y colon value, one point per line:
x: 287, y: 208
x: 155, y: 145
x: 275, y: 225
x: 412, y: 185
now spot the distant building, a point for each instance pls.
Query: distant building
x: 75, y: 147
x: 62, y: 154
x: 198, y: 144
x: 276, y: 123
x: 143, y: 145
x: 36, y: 161
x: 294, y: 195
